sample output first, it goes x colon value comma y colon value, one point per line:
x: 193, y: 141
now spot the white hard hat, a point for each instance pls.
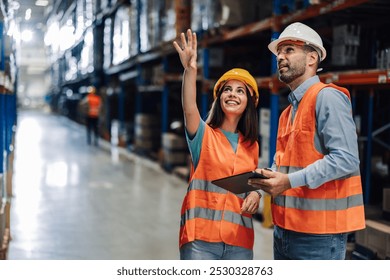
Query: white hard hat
x: 300, y: 32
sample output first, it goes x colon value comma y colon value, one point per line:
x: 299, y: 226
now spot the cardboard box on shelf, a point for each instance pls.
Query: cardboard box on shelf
x: 347, y: 34
x: 124, y: 37
x: 147, y: 131
x: 204, y: 15
x: 183, y: 15
x: 174, y: 150
x: 383, y: 59
x: 343, y: 55
x: 377, y: 237
x: 149, y: 25
x: 235, y: 13
x: 173, y: 141
x: 215, y: 57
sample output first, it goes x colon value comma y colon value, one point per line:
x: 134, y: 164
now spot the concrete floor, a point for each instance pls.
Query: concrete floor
x: 72, y: 201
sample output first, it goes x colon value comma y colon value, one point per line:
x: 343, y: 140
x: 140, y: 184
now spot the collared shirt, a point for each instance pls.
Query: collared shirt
x: 335, y: 137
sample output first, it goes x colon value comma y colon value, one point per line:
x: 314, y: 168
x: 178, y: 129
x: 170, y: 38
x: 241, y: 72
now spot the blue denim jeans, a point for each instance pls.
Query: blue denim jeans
x: 202, y: 250
x: 291, y: 245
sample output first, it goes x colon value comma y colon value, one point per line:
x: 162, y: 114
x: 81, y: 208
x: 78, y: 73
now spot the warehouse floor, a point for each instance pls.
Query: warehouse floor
x: 74, y: 201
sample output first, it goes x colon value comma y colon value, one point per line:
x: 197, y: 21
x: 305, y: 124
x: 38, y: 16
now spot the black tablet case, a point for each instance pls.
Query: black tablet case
x: 239, y: 183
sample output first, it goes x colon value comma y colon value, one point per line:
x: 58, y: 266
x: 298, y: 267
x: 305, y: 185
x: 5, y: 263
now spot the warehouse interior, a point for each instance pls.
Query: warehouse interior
x: 124, y: 49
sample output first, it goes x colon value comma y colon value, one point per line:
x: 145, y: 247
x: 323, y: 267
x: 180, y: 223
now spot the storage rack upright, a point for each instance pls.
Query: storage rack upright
x: 7, y: 129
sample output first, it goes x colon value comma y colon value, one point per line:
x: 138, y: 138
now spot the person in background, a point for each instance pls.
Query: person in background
x: 93, y: 103
x: 315, y: 182
x: 215, y: 223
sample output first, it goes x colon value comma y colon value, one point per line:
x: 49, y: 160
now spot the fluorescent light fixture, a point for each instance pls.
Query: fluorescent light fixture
x: 27, y: 35
x: 42, y: 3
x: 36, y: 69
x: 27, y: 16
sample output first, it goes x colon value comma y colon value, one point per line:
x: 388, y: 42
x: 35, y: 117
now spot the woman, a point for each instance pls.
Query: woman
x: 215, y: 223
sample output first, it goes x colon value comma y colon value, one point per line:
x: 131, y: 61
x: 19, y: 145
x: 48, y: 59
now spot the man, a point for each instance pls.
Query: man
x: 93, y: 102
x: 315, y: 182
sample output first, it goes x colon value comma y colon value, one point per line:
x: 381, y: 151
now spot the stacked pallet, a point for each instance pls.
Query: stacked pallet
x: 174, y: 151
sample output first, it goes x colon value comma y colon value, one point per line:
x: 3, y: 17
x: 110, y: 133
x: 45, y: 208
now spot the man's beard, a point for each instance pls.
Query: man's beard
x: 292, y: 74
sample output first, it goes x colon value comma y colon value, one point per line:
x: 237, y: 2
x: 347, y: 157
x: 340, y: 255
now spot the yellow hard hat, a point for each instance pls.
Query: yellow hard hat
x: 240, y: 75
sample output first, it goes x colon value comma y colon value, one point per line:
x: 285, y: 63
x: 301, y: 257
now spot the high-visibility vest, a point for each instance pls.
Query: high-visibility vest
x: 334, y: 207
x: 210, y: 213
x: 94, y: 102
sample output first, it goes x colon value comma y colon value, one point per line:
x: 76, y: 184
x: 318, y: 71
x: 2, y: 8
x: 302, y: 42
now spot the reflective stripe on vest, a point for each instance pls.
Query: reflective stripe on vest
x: 210, y: 213
x: 205, y: 185
x: 334, y: 207
x: 318, y: 204
x: 216, y: 215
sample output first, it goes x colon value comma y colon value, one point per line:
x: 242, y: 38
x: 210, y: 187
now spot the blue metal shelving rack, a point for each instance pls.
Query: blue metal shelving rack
x: 7, y: 124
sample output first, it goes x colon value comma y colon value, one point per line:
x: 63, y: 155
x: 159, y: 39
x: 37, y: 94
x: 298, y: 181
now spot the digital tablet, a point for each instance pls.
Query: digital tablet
x: 239, y: 183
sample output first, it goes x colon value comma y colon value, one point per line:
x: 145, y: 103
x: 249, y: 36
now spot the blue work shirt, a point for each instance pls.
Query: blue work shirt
x: 335, y: 137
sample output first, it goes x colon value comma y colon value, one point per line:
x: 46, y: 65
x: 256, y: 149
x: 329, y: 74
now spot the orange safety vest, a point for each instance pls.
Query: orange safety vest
x: 210, y: 213
x: 334, y: 207
x: 94, y: 102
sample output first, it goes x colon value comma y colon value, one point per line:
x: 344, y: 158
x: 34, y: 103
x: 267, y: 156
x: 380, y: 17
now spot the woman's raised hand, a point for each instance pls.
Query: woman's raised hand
x: 187, y: 50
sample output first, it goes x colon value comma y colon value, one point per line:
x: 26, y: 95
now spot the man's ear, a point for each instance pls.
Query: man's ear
x: 313, y: 58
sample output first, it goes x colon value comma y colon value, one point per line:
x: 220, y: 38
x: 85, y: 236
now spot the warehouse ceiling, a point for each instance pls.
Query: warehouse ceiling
x: 30, y: 17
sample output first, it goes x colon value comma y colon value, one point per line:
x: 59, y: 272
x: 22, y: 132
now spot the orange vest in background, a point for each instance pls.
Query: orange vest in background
x: 210, y: 213
x: 334, y: 207
x: 94, y: 102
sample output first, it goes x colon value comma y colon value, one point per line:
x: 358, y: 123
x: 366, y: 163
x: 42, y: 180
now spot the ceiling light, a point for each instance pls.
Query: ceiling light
x: 27, y: 35
x: 42, y: 3
x: 36, y: 69
x: 28, y: 14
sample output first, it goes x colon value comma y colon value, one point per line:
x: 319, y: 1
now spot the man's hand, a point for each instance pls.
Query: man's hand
x: 275, y: 185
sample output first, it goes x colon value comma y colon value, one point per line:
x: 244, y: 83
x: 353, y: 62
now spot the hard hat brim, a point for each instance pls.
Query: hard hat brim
x: 253, y: 92
x: 240, y: 75
x: 273, y: 46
